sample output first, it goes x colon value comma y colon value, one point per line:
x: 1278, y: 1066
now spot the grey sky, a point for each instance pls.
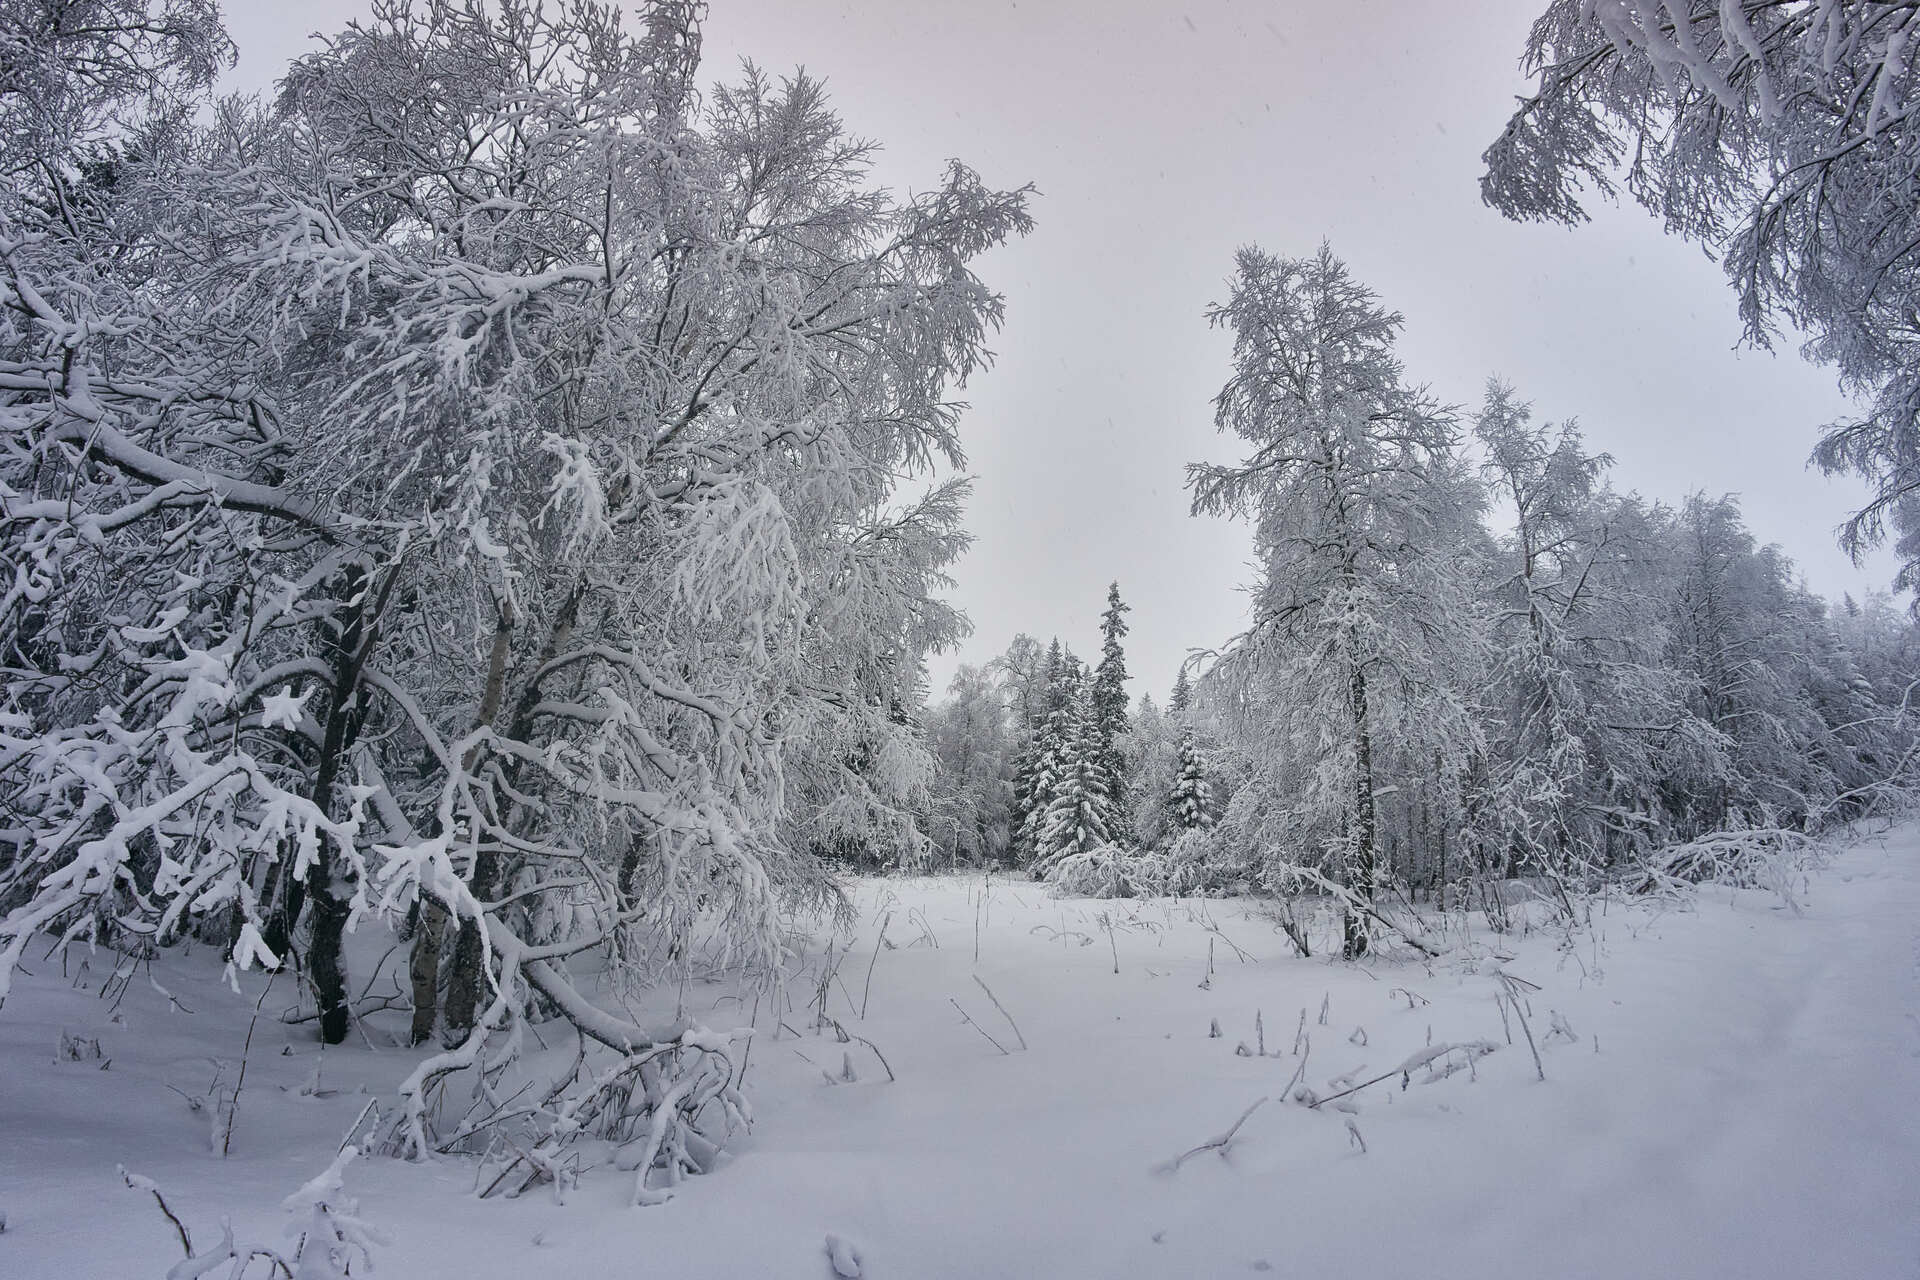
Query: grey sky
x: 1164, y: 136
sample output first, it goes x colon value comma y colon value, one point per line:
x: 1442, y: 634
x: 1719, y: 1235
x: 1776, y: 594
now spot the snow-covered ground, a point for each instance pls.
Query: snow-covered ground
x: 1741, y: 1097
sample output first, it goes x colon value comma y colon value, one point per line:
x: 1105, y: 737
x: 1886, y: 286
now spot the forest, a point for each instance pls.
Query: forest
x: 478, y: 524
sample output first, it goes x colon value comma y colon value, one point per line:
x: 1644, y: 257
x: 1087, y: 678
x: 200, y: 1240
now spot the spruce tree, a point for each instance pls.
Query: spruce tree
x: 1110, y: 702
x: 1081, y: 815
x: 1188, y: 804
x: 1033, y: 773
x: 1182, y: 692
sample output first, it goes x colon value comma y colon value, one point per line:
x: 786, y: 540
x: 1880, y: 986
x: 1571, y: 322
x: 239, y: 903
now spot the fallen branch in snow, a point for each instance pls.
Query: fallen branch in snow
x: 327, y: 1240
x: 137, y: 1183
x: 977, y: 1027
x: 848, y: 1036
x: 1219, y: 1143
x: 1757, y: 858
x: 1002, y: 1008
x: 1422, y: 1058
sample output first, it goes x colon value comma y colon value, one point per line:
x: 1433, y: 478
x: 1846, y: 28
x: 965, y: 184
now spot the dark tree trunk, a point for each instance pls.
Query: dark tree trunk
x: 1360, y: 874
x: 467, y: 977
x: 464, y: 969
x: 329, y: 898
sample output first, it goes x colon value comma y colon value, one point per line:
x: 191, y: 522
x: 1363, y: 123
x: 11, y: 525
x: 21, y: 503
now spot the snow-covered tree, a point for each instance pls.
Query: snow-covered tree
x: 1361, y: 611
x: 1782, y: 137
x: 1590, y: 724
x: 1080, y: 817
x: 1189, y: 802
x: 1151, y: 753
x: 969, y: 737
x: 1110, y: 702
x: 1049, y: 749
x: 484, y: 483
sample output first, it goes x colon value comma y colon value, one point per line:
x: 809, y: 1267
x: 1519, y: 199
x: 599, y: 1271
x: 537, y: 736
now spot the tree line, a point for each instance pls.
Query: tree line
x: 1470, y: 657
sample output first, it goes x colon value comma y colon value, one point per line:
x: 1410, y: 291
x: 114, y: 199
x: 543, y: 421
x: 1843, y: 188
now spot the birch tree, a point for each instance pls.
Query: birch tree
x: 1352, y: 488
x: 502, y: 484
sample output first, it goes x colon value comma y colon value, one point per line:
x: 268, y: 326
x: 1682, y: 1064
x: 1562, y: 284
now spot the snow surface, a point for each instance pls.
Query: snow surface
x: 1749, y: 1107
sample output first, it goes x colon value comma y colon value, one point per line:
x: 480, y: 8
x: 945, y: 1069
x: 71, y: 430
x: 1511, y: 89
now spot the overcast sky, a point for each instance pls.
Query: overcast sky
x: 1163, y: 136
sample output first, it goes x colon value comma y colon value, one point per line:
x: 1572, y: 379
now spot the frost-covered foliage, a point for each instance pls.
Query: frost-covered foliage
x: 1429, y: 703
x: 492, y: 485
x: 1108, y: 698
x: 1190, y: 800
x: 1362, y: 517
x: 1081, y: 814
x: 1107, y: 871
x: 970, y: 737
x: 1150, y: 753
x: 1589, y: 720
x: 1782, y: 137
x: 330, y: 1240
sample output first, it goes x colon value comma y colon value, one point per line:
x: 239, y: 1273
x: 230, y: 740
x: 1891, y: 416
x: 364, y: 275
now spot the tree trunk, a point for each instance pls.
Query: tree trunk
x: 423, y: 967
x: 326, y: 968
x: 1360, y: 874
x: 465, y: 976
x: 355, y: 644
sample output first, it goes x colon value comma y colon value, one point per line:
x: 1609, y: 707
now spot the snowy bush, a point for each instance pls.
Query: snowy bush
x: 1108, y: 871
x: 1773, y: 859
x: 1201, y: 864
x: 330, y: 1240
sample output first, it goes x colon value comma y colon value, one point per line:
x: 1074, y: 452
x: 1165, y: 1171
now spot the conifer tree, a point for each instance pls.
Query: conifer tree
x: 1081, y: 815
x: 1182, y: 692
x: 1050, y: 752
x: 1032, y: 773
x: 1188, y: 804
x: 1110, y: 702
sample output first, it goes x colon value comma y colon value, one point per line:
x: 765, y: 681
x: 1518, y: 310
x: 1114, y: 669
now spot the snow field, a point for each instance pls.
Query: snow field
x: 1746, y: 1111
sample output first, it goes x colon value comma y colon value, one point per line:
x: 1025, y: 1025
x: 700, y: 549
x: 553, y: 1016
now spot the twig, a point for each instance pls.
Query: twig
x: 137, y: 1183
x: 979, y: 904
x: 355, y: 1126
x: 977, y: 1027
x: 246, y: 1052
x: 867, y: 990
x: 1214, y: 930
x: 1299, y: 1072
x: 375, y: 977
x: 871, y: 1045
x: 1388, y: 1075
x: 1219, y: 1143
x: 1002, y: 1008
x: 1538, y: 1069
